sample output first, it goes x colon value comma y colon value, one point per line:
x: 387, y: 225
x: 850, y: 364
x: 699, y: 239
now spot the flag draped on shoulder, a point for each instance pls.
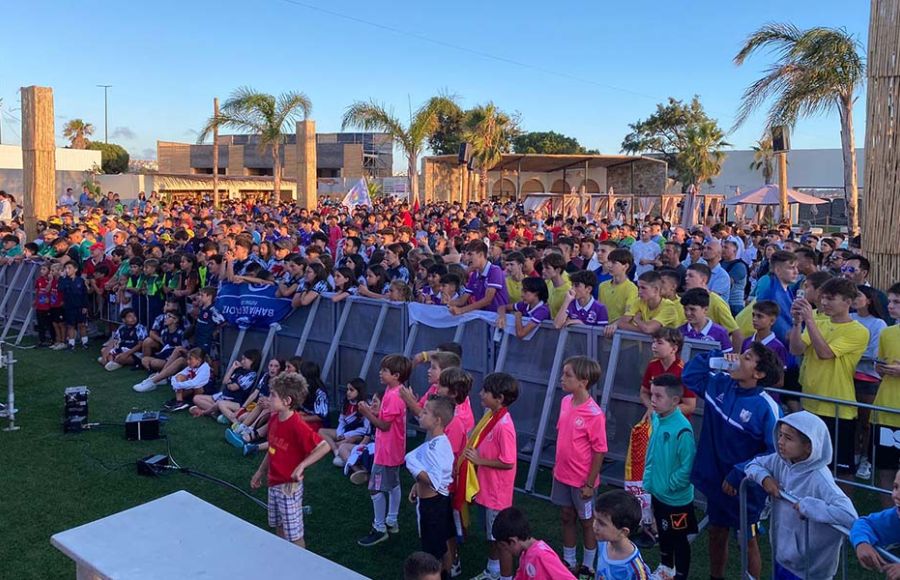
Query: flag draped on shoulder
x: 358, y: 195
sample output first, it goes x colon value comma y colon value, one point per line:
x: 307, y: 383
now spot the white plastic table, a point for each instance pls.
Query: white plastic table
x: 182, y: 536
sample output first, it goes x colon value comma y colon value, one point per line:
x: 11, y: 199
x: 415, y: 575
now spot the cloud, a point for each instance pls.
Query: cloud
x: 123, y: 133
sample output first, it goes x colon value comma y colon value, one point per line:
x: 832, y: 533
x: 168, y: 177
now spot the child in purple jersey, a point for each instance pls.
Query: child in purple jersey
x: 486, y: 287
x: 531, y: 311
x: 765, y: 314
x: 699, y: 327
x: 579, y: 305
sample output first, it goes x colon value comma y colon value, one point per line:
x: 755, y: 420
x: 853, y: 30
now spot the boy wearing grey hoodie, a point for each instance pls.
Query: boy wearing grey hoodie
x: 800, y: 468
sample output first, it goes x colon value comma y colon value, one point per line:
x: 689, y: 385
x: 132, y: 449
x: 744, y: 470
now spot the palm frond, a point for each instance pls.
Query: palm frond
x: 374, y: 116
x: 776, y: 36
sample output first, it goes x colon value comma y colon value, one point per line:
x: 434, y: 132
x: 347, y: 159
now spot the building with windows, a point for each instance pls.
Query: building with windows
x: 347, y: 155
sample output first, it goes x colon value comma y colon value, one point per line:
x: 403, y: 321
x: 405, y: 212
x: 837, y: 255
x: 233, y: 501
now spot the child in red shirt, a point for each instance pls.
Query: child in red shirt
x: 390, y: 449
x: 537, y: 560
x: 666, y: 348
x: 293, y: 447
x: 42, y: 287
x: 580, y: 448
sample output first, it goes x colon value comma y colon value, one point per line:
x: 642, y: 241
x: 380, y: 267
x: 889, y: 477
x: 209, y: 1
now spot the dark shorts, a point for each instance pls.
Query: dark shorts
x: 56, y: 314
x: 886, y: 446
x: 674, y: 520
x: 73, y: 316
x: 869, y: 388
x: 723, y: 511
x: 435, y: 519
x: 844, y: 447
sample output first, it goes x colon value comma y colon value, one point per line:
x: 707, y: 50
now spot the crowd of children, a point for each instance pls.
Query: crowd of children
x: 782, y: 309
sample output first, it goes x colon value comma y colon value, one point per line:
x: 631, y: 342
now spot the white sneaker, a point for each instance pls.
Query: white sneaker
x: 58, y: 346
x: 112, y: 366
x: 99, y: 359
x: 663, y: 573
x: 337, y: 462
x: 144, y: 386
x: 160, y: 382
x: 865, y: 469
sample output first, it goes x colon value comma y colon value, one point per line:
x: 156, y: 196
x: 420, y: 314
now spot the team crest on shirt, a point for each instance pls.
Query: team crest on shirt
x: 530, y: 570
x: 720, y: 398
x: 591, y: 317
x: 745, y: 415
x: 579, y: 422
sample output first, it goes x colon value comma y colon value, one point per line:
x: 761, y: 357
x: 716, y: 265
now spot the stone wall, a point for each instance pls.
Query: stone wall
x: 649, y: 177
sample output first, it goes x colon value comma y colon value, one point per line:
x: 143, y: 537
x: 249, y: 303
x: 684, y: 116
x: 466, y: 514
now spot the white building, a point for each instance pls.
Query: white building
x: 814, y: 171
x: 71, y: 165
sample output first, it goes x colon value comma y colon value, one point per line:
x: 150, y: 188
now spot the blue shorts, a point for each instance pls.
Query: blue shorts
x: 73, y: 316
x: 724, y: 511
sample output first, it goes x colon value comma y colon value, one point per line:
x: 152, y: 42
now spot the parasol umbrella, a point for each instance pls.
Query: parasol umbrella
x: 770, y: 195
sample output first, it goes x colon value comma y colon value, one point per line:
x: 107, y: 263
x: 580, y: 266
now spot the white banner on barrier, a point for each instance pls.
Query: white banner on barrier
x: 440, y: 317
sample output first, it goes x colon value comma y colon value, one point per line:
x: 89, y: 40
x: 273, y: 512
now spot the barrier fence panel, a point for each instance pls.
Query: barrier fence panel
x: 374, y: 328
x: 17, y: 314
x: 308, y: 332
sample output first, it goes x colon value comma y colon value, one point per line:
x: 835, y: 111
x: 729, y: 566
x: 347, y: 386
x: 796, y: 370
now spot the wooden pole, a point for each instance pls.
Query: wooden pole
x: 880, y: 234
x: 783, y: 187
x: 38, y: 157
x: 216, y: 200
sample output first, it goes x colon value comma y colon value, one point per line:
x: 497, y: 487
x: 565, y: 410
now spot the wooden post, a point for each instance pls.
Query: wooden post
x: 38, y: 157
x: 307, y: 194
x: 216, y: 199
x: 785, y: 209
x: 880, y: 235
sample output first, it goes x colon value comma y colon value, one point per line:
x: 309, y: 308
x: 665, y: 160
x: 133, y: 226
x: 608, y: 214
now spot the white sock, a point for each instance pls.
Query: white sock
x: 84, y: 340
x: 393, y: 505
x: 493, y: 567
x: 590, y: 558
x: 71, y: 342
x: 379, y: 504
x: 569, y: 556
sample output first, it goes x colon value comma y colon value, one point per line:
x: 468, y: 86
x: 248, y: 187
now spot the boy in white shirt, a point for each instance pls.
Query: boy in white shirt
x: 431, y: 465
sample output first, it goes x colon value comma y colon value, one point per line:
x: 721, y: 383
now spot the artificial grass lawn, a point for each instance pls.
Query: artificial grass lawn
x: 51, y: 482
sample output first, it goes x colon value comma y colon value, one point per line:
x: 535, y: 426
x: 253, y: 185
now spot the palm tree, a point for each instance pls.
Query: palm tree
x: 490, y: 131
x: 374, y: 116
x: 763, y: 158
x: 702, y: 156
x: 816, y: 70
x: 77, y: 132
x: 269, y: 117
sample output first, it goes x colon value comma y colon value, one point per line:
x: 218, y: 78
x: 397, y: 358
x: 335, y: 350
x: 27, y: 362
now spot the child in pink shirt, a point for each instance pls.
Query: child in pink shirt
x: 580, y: 448
x: 537, y: 560
x: 492, y: 450
x: 439, y: 360
x: 384, y: 480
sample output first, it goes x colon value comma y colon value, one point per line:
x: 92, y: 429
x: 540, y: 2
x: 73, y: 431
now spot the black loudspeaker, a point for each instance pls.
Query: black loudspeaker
x: 465, y: 153
x: 781, y: 139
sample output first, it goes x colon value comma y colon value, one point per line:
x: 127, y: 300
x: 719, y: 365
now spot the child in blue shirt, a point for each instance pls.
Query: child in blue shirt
x: 878, y: 529
x: 617, y: 513
x: 738, y: 425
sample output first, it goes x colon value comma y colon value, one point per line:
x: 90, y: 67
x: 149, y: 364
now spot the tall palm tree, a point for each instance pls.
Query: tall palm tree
x: 77, y: 132
x: 269, y: 117
x: 702, y: 156
x: 816, y: 71
x: 763, y: 159
x: 374, y: 116
x: 490, y: 131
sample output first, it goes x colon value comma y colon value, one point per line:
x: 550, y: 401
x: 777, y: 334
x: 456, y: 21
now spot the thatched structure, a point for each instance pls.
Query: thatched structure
x: 881, y: 220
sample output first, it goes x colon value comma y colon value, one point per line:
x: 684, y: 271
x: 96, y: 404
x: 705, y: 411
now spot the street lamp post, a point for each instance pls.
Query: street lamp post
x: 105, y: 113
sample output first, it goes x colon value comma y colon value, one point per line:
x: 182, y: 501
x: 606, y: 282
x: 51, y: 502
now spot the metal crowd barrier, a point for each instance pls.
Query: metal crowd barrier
x: 17, y: 300
x: 743, y: 537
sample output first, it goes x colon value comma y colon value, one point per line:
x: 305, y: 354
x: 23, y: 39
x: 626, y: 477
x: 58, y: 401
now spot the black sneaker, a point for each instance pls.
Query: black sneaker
x: 179, y: 406
x: 85, y: 346
x: 374, y: 537
x: 585, y: 573
x: 170, y: 403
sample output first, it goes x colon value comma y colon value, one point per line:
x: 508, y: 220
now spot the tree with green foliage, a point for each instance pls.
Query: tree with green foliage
x: 77, y: 132
x: 262, y: 114
x: 701, y: 157
x: 374, y: 116
x: 449, y: 133
x: 549, y: 143
x: 114, y: 158
x: 665, y: 133
x: 763, y: 159
x: 491, y: 132
x: 816, y: 71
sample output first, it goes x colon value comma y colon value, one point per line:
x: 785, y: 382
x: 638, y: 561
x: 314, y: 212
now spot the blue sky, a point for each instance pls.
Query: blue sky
x: 586, y: 69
